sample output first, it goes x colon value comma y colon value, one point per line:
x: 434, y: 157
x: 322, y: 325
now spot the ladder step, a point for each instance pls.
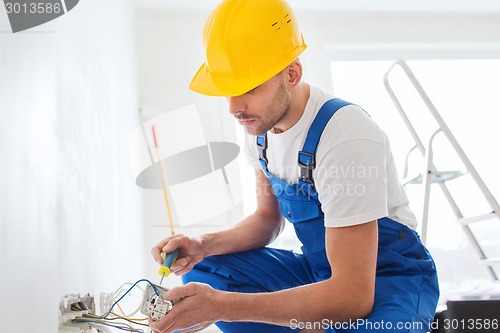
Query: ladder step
x: 437, y: 177
x: 472, y: 219
x: 490, y: 261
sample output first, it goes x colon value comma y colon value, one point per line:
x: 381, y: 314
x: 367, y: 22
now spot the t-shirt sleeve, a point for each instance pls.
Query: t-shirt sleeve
x: 351, y: 183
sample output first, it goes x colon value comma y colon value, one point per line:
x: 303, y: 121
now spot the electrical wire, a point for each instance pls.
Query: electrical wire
x: 104, y: 322
x: 100, y: 328
x: 131, y: 313
x: 129, y: 327
x: 127, y: 318
x: 124, y: 327
x: 122, y: 289
x: 105, y: 319
x: 130, y: 320
x: 118, y: 317
x: 119, y: 299
x: 121, y: 310
x: 95, y: 319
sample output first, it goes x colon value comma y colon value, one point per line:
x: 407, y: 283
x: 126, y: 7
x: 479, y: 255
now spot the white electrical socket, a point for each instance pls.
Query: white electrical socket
x: 158, y: 308
x: 73, y: 306
x: 154, y: 305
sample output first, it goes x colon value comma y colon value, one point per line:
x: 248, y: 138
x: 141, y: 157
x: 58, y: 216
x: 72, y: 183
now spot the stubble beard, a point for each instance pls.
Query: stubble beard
x: 275, y: 112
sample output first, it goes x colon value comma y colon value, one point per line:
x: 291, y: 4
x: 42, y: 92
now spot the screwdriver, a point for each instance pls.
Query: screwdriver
x: 168, y: 260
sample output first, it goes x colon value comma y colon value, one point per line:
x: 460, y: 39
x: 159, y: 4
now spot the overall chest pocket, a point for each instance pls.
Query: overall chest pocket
x: 307, y: 220
x: 299, y: 211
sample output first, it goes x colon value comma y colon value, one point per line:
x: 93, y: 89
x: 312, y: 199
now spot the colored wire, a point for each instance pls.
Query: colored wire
x: 104, y: 319
x: 127, y: 318
x: 121, y: 289
x: 121, y: 310
x: 100, y: 328
x: 130, y: 320
x: 125, y: 327
x: 118, y: 317
x: 133, y: 312
x: 119, y: 299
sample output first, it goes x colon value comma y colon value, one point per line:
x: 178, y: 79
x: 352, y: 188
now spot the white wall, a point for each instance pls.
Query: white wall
x: 392, y: 35
x: 69, y: 206
x: 169, y: 52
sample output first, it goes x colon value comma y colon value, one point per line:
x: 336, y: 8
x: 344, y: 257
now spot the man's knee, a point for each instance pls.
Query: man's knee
x: 198, y: 275
x: 188, y: 277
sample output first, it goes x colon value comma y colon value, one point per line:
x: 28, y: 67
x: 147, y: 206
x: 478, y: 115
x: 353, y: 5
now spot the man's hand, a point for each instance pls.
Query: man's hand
x: 198, y: 307
x: 190, y: 248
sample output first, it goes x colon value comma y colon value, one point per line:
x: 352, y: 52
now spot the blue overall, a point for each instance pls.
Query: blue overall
x: 406, y: 287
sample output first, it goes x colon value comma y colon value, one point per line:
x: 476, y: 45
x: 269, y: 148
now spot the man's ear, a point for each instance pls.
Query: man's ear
x: 294, y: 74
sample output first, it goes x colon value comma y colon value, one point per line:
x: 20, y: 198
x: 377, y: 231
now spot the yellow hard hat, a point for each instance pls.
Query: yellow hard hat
x: 247, y: 42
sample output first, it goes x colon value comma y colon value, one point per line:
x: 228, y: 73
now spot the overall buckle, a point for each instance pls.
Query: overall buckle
x: 307, y: 163
x: 262, y: 145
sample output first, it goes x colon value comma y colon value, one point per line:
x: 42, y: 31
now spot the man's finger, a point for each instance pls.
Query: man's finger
x: 159, y: 248
x: 179, y: 292
x: 180, y: 264
x: 186, y: 269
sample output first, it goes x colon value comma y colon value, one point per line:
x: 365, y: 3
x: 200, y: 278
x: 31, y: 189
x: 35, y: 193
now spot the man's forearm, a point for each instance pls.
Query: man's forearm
x: 255, y: 231
x: 309, y: 303
x: 347, y: 295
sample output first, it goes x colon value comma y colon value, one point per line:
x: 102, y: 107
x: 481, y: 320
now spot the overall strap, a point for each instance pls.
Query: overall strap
x: 262, y: 146
x: 307, y: 157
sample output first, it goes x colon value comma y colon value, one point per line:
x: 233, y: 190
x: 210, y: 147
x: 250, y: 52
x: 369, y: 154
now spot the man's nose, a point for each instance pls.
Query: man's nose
x: 236, y: 104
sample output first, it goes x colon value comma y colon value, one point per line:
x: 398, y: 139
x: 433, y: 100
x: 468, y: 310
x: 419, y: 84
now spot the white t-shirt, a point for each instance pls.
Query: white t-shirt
x: 355, y: 174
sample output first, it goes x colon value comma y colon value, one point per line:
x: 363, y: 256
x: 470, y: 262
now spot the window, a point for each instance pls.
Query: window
x: 465, y: 92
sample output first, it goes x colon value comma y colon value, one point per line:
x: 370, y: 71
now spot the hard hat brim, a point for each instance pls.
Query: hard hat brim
x: 205, y: 84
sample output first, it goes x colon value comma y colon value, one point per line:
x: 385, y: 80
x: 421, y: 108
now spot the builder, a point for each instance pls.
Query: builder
x: 323, y: 165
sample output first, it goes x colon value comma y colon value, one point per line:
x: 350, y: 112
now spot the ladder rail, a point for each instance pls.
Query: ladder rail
x: 444, y: 127
x: 416, y: 138
x: 427, y: 185
x: 425, y: 216
x: 479, y: 251
x: 407, y: 158
x: 430, y: 167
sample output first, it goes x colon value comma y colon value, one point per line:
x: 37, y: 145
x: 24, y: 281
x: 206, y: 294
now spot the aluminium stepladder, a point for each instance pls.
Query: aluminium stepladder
x: 432, y: 175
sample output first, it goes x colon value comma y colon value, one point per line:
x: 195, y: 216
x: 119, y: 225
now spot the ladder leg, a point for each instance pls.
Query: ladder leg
x: 431, y: 173
x: 427, y: 194
x: 470, y: 235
